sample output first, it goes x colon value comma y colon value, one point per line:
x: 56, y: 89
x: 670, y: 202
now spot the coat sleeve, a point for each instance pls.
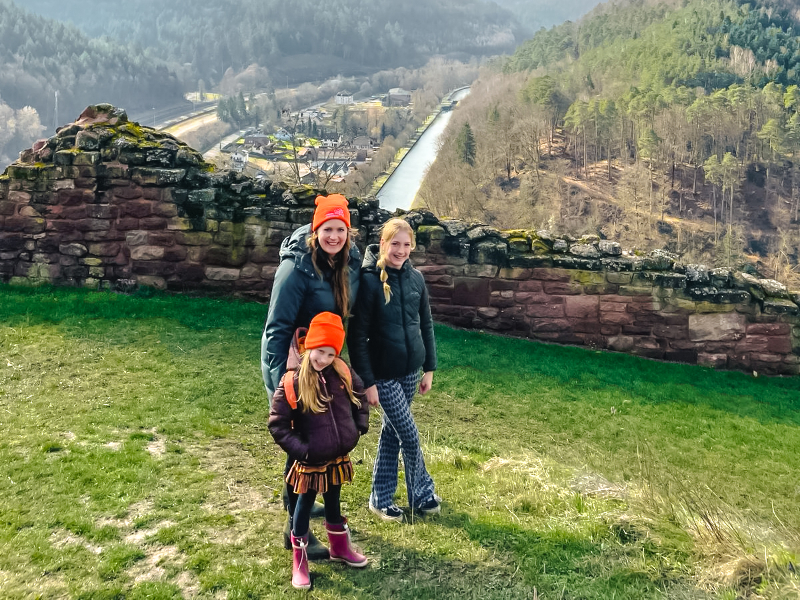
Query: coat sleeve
x: 280, y: 427
x: 287, y: 296
x: 359, y: 327
x: 360, y: 414
x: 426, y: 328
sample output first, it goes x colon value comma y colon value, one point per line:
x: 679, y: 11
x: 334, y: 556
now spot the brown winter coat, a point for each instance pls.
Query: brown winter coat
x: 316, y: 438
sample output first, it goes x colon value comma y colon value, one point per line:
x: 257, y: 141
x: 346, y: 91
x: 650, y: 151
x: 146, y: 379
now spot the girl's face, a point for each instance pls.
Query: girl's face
x: 321, y: 357
x: 332, y: 235
x: 397, y: 250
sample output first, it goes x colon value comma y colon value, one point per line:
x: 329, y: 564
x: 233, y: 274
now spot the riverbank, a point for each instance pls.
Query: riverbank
x: 403, y: 152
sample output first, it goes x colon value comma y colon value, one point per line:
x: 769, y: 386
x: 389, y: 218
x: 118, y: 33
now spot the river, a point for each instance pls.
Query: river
x: 401, y: 188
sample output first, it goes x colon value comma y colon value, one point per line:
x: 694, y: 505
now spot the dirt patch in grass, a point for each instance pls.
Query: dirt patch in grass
x: 135, y: 511
x: 61, y: 538
x: 152, y: 566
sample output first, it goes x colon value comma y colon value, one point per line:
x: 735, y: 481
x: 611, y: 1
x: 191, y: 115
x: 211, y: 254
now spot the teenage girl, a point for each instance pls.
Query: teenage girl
x: 317, y: 416
x: 391, y: 343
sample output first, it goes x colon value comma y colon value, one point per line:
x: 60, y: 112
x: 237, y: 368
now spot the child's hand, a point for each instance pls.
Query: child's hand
x: 372, y: 395
x: 425, y: 383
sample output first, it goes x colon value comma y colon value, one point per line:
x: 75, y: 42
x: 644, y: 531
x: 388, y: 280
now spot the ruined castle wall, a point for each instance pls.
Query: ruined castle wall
x: 109, y: 204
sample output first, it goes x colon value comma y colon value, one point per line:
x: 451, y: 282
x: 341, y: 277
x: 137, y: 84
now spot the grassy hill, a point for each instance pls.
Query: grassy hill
x: 135, y: 463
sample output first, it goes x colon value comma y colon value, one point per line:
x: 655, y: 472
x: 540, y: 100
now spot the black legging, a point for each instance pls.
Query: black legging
x: 305, y: 502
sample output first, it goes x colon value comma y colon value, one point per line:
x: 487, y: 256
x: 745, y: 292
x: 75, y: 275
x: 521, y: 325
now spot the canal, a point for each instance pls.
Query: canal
x: 401, y: 188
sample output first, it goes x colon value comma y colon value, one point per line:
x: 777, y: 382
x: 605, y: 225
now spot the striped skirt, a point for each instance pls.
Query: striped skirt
x: 303, y: 477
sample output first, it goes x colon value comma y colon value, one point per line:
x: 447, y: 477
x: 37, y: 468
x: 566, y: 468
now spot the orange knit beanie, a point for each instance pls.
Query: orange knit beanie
x: 326, y: 329
x: 330, y: 207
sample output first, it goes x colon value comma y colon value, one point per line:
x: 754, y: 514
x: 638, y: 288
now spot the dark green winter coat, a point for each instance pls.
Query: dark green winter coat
x: 299, y: 293
x: 389, y: 341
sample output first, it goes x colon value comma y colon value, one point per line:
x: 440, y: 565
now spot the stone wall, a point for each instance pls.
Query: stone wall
x: 110, y: 204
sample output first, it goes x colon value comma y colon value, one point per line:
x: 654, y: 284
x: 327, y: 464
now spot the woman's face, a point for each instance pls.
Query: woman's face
x: 332, y: 235
x: 397, y: 250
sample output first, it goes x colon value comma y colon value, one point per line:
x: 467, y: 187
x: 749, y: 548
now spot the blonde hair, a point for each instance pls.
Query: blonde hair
x: 340, y: 263
x: 390, y: 229
x: 310, y: 396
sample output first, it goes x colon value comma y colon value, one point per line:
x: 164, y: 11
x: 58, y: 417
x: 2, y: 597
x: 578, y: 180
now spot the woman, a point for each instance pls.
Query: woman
x: 318, y: 272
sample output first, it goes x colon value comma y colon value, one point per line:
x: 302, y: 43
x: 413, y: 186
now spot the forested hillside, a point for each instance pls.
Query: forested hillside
x: 364, y: 35
x: 535, y: 14
x: 670, y: 124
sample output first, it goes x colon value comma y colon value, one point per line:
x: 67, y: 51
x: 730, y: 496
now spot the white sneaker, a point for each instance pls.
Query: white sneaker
x: 390, y: 513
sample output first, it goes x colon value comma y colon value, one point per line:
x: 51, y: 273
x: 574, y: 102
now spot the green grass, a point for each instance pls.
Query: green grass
x: 135, y: 463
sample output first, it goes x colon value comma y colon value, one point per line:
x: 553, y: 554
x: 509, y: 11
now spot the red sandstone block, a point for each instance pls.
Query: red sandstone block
x: 616, y: 318
x: 530, y: 286
x: 92, y: 224
x: 501, y: 285
x: 138, y: 209
x: 780, y: 345
x: 500, y: 302
x: 126, y: 223
x: 610, y: 330
x: 153, y: 223
x: 592, y: 340
x: 771, y: 329
x: 670, y: 332
x: 74, y: 197
x: 8, y: 208
x: 684, y: 345
x: 160, y: 238
x: 549, y: 311
x: 551, y: 325
x: 562, y: 288
x: 560, y: 338
x: 753, y: 343
x: 471, y: 291
x: 612, y: 307
x: 550, y: 274
x: 585, y: 326
x: 432, y: 270
x: 74, y: 212
x: 189, y: 272
x: 125, y: 192
x: 441, y: 293
x: 175, y: 253
x: 581, y: 306
x: 765, y: 358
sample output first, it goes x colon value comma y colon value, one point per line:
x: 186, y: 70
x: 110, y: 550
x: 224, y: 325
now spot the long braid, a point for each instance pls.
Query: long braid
x: 387, y: 289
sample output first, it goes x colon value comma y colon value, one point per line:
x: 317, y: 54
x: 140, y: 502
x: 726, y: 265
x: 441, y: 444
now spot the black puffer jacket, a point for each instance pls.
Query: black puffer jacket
x: 388, y: 341
x: 316, y: 438
x: 299, y: 294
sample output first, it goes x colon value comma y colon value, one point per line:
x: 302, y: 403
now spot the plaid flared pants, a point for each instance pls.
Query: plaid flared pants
x: 399, y: 433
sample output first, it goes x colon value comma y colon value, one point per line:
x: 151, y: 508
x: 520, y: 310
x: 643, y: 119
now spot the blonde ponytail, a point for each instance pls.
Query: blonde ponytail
x: 390, y: 229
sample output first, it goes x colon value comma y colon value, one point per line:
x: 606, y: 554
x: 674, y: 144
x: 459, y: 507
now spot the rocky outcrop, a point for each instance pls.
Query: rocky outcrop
x: 109, y: 204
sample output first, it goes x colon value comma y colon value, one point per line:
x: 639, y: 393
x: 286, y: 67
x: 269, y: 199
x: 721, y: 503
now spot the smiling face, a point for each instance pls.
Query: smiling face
x: 321, y: 357
x: 332, y: 235
x: 397, y: 250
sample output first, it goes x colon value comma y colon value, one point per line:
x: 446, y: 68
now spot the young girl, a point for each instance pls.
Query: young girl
x: 390, y: 339
x: 317, y: 418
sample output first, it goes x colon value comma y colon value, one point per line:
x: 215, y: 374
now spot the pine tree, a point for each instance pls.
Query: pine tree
x: 465, y: 145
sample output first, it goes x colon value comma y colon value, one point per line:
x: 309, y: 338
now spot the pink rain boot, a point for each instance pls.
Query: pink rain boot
x: 342, y: 549
x: 301, y: 580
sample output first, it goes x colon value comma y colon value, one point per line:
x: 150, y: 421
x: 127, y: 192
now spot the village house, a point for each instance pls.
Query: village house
x: 398, y: 97
x: 344, y: 98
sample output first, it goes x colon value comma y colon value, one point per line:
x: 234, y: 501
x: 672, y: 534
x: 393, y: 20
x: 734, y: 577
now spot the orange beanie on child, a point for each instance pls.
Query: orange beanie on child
x: 330, y: 207
x: 326, y: 329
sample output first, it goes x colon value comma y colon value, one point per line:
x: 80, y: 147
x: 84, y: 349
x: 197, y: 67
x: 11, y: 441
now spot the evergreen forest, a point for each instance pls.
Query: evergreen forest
x: 658, y: 124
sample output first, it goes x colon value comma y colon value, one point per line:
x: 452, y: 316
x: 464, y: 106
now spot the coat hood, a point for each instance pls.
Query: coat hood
x: 296, y: 349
